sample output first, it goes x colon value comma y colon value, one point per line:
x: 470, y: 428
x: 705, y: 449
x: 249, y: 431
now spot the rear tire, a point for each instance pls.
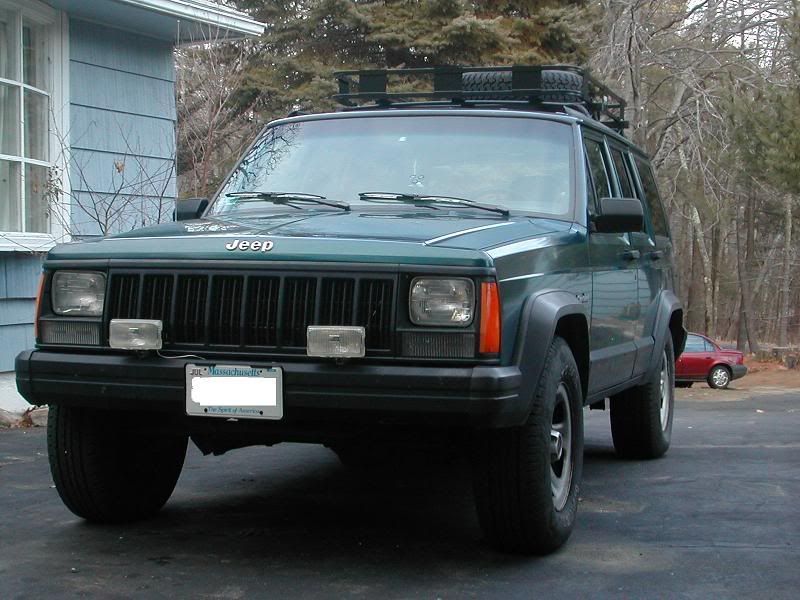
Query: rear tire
x: 719, y: 378
x: 501, y: 81
x: 104, y: 471
x: 526, y: 487
x: 641, y: 417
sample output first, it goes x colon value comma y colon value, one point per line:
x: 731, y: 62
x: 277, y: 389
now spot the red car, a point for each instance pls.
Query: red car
x: 704, y: 360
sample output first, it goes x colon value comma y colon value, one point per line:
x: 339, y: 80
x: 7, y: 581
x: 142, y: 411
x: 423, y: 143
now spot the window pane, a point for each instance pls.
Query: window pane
x: 34, y: 53
x: 36, y: 125
x: 597, y: 165
x: 652, y: 199
x: 36, y: 210
x: 9, y: 196
x: 9, y: 46
x: 625, y: 187
x: 9, y: 120
x: 694, y: 344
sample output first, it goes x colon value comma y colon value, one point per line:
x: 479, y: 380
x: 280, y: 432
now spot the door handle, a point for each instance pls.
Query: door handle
x: 656, y: 255
x: 630, y: 255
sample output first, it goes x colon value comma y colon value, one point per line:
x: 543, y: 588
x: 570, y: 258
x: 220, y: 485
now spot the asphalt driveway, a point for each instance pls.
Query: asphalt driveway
x: 718, y: 517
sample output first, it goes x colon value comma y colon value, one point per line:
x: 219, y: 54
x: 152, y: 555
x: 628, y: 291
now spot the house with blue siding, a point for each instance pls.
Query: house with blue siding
x: 87, y: 127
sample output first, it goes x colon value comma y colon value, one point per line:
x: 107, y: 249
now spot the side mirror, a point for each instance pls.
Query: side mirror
x: 618, y: 215
x: 189, y: 208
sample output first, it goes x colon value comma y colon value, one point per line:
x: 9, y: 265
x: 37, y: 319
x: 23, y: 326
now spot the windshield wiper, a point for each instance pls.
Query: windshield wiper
x: 287, y: 198
x: 422, y: 199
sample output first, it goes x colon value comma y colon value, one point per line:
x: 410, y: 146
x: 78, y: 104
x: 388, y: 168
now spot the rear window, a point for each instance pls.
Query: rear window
x: 652, y: 199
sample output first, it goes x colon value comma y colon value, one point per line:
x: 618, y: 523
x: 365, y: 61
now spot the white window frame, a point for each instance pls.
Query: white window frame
x: 57, y: 24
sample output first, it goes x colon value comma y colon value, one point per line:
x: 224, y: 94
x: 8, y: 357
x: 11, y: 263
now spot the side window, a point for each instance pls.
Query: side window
x: 694, y: 344
x: 591, y: 196
x: 625, y: 187
x: 651, y: 198
x: 598, y: 171
x: 709, y: 346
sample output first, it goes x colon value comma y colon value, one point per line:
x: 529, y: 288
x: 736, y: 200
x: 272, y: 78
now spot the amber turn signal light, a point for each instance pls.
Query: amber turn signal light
x: 37, y: 311
x: 490, y: 319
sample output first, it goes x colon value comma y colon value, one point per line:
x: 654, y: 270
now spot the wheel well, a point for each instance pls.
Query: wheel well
x: 575, y: 331
x: 723, y: 365
x: 677, y: 332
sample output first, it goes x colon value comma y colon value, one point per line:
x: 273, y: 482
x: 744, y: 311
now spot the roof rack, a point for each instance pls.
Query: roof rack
x: 594, y: 98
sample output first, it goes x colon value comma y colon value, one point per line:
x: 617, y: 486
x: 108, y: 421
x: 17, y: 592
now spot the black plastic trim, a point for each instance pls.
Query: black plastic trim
x: 482, y: 396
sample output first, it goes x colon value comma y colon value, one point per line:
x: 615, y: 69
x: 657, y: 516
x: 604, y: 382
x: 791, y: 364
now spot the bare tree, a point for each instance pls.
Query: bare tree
x: 215, y: 117
x: 678, y: 63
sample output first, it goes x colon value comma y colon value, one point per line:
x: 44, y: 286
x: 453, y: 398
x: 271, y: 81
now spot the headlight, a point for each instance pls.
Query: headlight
x: 442, y: 302
x: 78, y: 293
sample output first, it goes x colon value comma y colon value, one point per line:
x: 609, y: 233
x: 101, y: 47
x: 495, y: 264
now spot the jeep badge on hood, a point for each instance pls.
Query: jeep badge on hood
x: 255, y: 246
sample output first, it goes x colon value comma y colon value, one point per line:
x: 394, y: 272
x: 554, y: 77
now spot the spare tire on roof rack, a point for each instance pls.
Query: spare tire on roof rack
x: 559, y: 88
x: 561, y: 82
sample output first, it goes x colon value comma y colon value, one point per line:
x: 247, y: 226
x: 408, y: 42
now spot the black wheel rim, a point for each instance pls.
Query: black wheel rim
x: 561, y: 449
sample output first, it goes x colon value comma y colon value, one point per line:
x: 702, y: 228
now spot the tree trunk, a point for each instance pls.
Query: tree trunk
x: 705, y: 257
x: 745, y: 335
x: 747, y: 297
x: 783, y: 336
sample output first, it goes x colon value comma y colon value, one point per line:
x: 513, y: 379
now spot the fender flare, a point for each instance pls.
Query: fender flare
x: 539, y: 317
x: 668, y: 308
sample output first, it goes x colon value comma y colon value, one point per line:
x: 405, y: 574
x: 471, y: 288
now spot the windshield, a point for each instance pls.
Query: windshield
x: 522, y: 164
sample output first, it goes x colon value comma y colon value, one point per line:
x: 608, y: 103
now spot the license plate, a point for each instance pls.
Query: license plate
x: 234, y: 391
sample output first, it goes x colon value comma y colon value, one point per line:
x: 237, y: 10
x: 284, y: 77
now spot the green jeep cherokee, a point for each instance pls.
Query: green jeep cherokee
x: 471, y: 265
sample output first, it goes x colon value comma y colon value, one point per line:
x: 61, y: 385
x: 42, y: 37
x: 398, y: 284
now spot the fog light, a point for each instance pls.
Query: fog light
x: 135, y: 334
x: 335, y: 342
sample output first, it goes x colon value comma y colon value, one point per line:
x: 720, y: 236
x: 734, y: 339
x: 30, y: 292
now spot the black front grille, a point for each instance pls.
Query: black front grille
x: 254, y: 311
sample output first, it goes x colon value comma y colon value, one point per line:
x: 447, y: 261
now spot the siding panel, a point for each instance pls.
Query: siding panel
x: 19, y: 278
x: 97, y: 129
x: 16, y: 312
x: 91, y: 215
x: 16, y: 338
x: 97, y: 45
x: 101, y: 172
x: 124, y: 92
x: 21, y: 275
x: 122, y: 135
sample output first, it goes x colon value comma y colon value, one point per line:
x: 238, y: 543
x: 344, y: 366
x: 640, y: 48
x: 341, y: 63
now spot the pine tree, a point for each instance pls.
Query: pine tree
x: 291, y: 66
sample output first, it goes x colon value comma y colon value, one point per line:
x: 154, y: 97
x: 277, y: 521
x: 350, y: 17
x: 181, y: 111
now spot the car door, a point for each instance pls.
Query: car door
x: 656, y: 245
x: 614, y: 293
x: 695, y: 360
x: 648, y: 281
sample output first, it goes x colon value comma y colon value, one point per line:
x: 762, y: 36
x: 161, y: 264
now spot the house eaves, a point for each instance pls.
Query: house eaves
x: 178, y: 21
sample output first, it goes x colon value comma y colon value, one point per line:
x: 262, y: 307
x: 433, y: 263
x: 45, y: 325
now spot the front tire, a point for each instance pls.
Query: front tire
x: 641, y: 417
x: 526, y: 478
x: 719, y: 378
x: 104, y: 471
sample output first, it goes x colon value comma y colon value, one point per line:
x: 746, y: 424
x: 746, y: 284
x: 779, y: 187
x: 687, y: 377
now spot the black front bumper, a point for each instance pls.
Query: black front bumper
x: 483, y: 396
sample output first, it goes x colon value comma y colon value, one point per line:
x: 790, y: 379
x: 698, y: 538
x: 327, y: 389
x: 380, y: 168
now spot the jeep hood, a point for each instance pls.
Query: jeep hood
x: 366, y: 236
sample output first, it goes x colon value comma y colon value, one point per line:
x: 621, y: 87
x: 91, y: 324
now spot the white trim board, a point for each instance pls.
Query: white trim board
x: 202, y: 11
